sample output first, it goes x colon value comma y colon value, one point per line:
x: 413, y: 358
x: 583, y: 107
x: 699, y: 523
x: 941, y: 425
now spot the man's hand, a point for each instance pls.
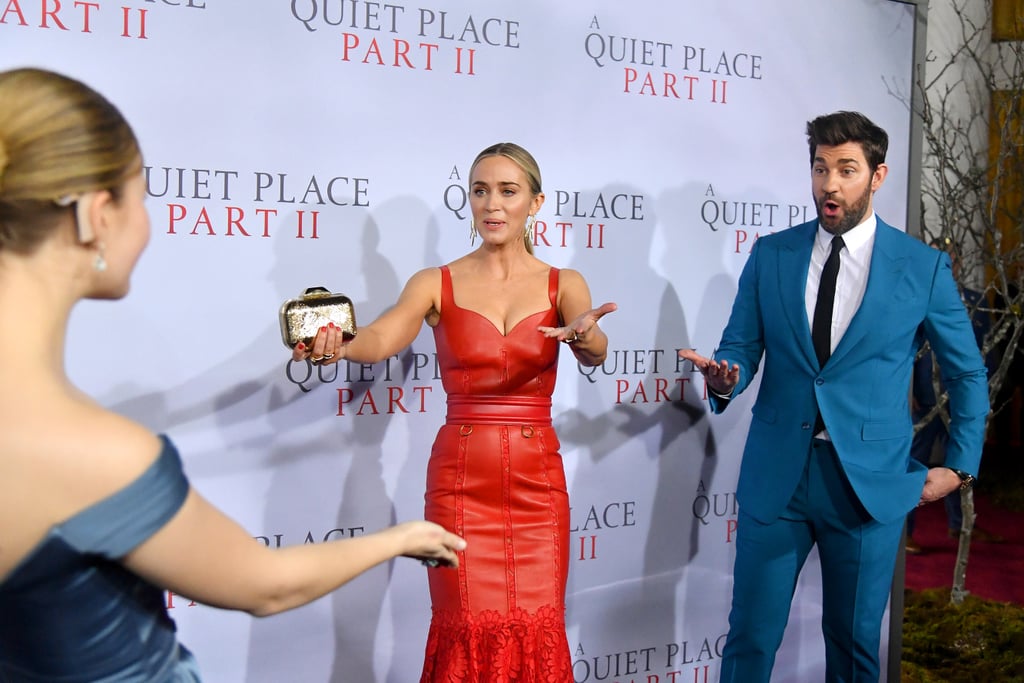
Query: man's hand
x: 941, y: 481
x: 720, y: 377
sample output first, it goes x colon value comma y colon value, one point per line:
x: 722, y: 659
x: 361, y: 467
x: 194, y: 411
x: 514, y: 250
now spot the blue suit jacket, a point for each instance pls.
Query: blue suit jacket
x: 863, y: 390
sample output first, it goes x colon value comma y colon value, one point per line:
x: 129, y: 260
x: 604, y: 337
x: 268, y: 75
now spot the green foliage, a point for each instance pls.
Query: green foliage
x: 979, y: 640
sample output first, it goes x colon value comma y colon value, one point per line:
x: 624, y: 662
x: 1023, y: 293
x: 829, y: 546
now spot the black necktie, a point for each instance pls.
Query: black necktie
x: 821, y: 328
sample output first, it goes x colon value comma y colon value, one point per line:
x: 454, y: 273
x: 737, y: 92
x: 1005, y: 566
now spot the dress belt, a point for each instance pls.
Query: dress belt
x: 505, y: 410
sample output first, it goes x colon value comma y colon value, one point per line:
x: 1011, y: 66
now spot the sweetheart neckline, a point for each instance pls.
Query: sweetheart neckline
x: 491, y: 322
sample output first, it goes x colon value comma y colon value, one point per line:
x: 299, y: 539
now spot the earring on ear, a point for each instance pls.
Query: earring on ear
x: 100, y: 263
x: 472, y: 232
x: 530, y: 220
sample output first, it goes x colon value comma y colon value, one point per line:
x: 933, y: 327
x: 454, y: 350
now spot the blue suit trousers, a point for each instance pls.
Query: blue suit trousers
x: 858, y: 556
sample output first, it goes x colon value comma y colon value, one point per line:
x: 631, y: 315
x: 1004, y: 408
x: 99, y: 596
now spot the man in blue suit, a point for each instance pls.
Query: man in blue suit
x: 837, y: 307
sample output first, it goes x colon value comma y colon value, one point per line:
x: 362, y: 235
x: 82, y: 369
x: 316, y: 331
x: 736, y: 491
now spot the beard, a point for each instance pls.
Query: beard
x: 852, y: 214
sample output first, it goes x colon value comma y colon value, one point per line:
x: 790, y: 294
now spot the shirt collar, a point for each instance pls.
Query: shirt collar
x: 855, y: 238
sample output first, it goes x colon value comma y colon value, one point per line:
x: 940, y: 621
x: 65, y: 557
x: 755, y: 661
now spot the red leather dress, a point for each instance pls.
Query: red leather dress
x: 495, y: 477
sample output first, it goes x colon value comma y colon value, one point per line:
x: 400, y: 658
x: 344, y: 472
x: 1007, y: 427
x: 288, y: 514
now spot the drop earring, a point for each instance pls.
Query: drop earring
x: 472, y: 232
x: 100, y: 263
x: 530, y: 220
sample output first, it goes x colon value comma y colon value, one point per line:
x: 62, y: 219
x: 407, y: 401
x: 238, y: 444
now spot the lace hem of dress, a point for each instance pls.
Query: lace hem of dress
x: 491, y: 647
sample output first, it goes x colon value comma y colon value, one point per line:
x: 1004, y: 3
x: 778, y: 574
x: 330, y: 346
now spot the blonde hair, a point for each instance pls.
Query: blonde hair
x: 523, y: 160
x: 59, y: 138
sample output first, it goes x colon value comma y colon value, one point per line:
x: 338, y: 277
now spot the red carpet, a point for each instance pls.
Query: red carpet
x: 995, y: 571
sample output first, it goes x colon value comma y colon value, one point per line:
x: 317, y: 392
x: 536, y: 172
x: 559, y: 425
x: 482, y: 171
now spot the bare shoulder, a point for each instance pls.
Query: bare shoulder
x: 56, y: 463
x: 571, y: 279
x: 423, y: 290
x: 420, y: 300
x: 120, y: 449
x: 464, y: 264
x: 427, y: 277
x: 92, y: 454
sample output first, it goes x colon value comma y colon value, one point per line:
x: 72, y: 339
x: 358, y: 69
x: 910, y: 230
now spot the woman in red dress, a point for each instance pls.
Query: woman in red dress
x: 495, y: 475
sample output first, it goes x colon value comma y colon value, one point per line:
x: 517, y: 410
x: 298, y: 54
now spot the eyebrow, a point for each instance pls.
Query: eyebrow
x: 848, y: 160
x: 499, y: 183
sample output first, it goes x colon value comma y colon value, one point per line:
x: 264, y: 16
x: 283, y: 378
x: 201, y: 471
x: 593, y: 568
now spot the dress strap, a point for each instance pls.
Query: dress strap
x: 447, y: 295
x: 117, y: 524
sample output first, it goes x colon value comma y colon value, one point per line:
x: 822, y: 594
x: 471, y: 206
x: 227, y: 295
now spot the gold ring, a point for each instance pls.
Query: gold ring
x: 316, y: 359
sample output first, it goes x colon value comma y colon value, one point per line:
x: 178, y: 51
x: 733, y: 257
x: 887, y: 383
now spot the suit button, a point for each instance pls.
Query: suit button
x: 805, y: 425
x: 819, y: 381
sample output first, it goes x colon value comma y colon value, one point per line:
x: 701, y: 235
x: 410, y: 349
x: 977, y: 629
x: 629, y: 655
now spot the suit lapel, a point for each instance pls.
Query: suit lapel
x: 885, y: 273
x: 794, y: 262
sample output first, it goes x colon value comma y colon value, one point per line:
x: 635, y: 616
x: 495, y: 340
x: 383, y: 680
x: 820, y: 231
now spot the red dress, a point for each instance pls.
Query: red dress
x: 495, y: 477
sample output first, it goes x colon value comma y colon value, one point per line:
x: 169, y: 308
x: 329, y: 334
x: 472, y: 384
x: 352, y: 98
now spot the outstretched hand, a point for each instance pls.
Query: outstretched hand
x: 721, y: 378
x: 429, y: 543
x: 327, y: 347
x: 578, y: 328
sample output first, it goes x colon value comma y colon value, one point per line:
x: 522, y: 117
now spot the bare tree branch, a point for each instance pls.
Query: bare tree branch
x: 972, y: 173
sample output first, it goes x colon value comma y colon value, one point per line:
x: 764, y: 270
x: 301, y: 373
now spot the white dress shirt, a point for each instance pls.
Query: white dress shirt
x: 852, y: 281
x: 854, y: 264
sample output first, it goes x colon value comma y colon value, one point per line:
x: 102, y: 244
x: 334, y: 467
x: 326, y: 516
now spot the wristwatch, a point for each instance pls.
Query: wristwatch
x: 966, y: 480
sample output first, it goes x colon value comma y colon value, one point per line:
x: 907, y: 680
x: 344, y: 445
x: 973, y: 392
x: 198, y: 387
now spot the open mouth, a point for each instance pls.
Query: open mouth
x: 830, y: 208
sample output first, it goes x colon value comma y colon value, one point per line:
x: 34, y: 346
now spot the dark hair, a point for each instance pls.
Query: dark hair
x: 849, y: 126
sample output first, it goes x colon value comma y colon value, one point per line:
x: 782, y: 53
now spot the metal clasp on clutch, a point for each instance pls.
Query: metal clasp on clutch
x: 303, y: 316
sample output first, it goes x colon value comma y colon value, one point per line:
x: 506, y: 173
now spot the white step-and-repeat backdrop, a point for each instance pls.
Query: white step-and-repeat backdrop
x: 292, y: 143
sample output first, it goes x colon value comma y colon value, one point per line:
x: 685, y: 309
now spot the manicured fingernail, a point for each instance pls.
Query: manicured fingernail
x: 300, y: 346
x: 324, y: 328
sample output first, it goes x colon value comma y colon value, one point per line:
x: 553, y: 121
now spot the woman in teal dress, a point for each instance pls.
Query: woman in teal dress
x: 96, y: 515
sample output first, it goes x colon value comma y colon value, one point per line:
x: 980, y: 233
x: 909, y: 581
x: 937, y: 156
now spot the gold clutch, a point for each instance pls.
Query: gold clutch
x: 303, y: 316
